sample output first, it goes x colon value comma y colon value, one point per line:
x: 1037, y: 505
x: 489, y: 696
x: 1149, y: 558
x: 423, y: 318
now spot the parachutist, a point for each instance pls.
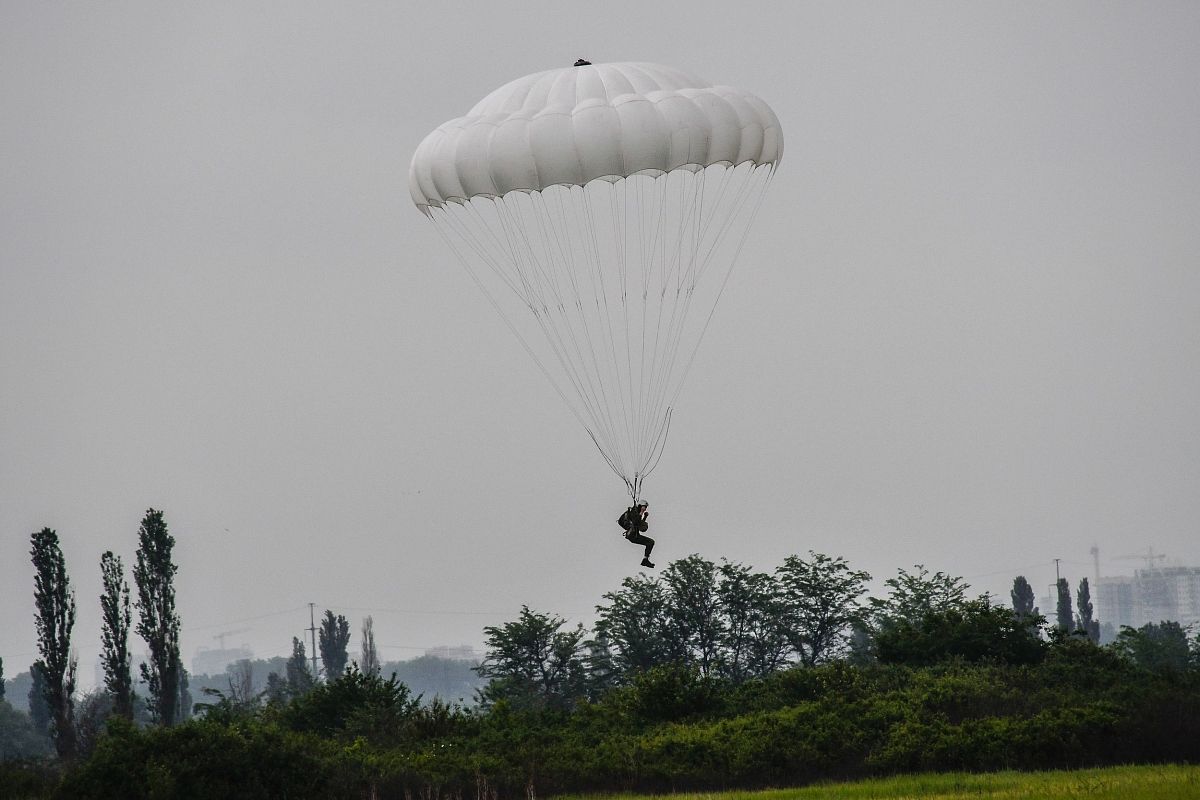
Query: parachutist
x: 634, y: 523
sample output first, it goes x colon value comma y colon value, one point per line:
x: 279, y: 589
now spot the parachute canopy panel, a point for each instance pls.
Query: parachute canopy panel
x: 575, y: 125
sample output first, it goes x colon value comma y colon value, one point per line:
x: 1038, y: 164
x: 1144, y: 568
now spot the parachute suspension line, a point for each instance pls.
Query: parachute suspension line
x: 592, y: 394
x: 531, y: 297
x: 491, y: 299
x: 618, y: 239
x: 602, y: 300
x: 762, y: 192
x: 581, y: 279
x: 658, y: 258
x: 660, y: 446
x: 681, y: 300
x: 669, y: 372
x: 666, y: 210
x: 578, y: 217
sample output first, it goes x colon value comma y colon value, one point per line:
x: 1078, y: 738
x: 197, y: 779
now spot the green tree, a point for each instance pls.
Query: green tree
x: 821, y: 600
x: 370, y: 656
x: 1064, y: 618
x: 1, y: 678
x: 299, y: 678
x: 116, y: 620
x: 601, y: 671
x: 54, y: 617
x: 912, y: 595
x: 18, y: 737
x: 693, y: 611
x: 534, y: 661
x: 185, y: 696
x: 633, y: 622
x: 354, y: 705
x: 158, y: 622
x: 974, y: 630
x: 754, y: 639
x: 1085, y: 621
x: 1162, y: 647
x: 39, y: 709
x: 334, y: 643
x: 1023, y: 598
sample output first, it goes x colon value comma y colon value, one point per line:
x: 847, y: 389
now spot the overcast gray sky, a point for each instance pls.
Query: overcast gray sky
x: 965, y: 331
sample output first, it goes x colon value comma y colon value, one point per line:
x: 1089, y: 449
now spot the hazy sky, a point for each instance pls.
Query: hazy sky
x: 965, y: 330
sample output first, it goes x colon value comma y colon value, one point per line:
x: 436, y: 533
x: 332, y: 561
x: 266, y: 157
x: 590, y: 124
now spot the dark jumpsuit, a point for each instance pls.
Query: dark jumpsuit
x: 634, y: 526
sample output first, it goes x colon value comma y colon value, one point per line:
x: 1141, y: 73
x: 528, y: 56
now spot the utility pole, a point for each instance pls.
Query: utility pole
x: 312, y: 629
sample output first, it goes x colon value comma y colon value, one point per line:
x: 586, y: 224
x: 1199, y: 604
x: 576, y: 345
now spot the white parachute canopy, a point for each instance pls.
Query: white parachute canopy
x: 601, y: 208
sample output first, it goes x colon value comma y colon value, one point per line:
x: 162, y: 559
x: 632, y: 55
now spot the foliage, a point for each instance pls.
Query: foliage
x: 755, y: 639
x: 206, y: 759
x: 534, y: 661
x: 693, y: 614
x: 911, y: 595
x: 1161, y: 646
x: 1023, y: 599
x: 116, y: 619
x: 39, y: 708
x: 356, y: 704
x: 634, y: 624
x: 299, y: 677
x: 974, y: 631
x: 820, y: 602
x: 158, y: 622
x: 1064, y: 619
x: 333, y: 641
x: 956, y: 685
x: 54, y: 617
x: 18, y: 737
x: 370, y: 656
x: 1085, y: 621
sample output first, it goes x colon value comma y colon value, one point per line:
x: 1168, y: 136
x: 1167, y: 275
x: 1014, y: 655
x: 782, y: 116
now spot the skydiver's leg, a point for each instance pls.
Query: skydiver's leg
x: 637, y: 538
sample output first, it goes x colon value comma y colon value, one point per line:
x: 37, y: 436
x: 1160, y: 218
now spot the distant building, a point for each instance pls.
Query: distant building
x: 213, y: 661
x: 463, y: 652
x: 1114, y: 601
x: 1153, y: 594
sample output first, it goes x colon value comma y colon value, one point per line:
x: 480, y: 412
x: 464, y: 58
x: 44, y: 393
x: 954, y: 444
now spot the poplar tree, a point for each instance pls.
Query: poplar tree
x: 370, y: 656
x: 158, y: 622
x: 114, y: 635
x: 1085, y: 620
x: 334, y: 642
x: 299, y: 678
x: 1065, y: 619
x: 1022, y: 598
x: 54, y: 617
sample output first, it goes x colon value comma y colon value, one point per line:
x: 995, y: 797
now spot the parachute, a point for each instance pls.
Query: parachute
x: 600, y: 208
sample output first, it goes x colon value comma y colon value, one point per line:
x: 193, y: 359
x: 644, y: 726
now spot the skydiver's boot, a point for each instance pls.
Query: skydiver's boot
x: 646, y: 563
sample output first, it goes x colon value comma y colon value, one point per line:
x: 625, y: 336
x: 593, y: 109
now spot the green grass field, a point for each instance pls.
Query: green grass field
x: 1112, y: 783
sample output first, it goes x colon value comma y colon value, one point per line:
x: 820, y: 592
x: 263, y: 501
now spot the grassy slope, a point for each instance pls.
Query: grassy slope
x: 1111, y: 783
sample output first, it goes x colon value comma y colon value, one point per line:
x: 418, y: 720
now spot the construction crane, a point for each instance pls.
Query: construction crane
x: 1149, y: 557
x: 220, y: 637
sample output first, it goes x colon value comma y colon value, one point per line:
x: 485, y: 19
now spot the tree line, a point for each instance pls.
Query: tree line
x: 52, y: 697
x: 707, y: 675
